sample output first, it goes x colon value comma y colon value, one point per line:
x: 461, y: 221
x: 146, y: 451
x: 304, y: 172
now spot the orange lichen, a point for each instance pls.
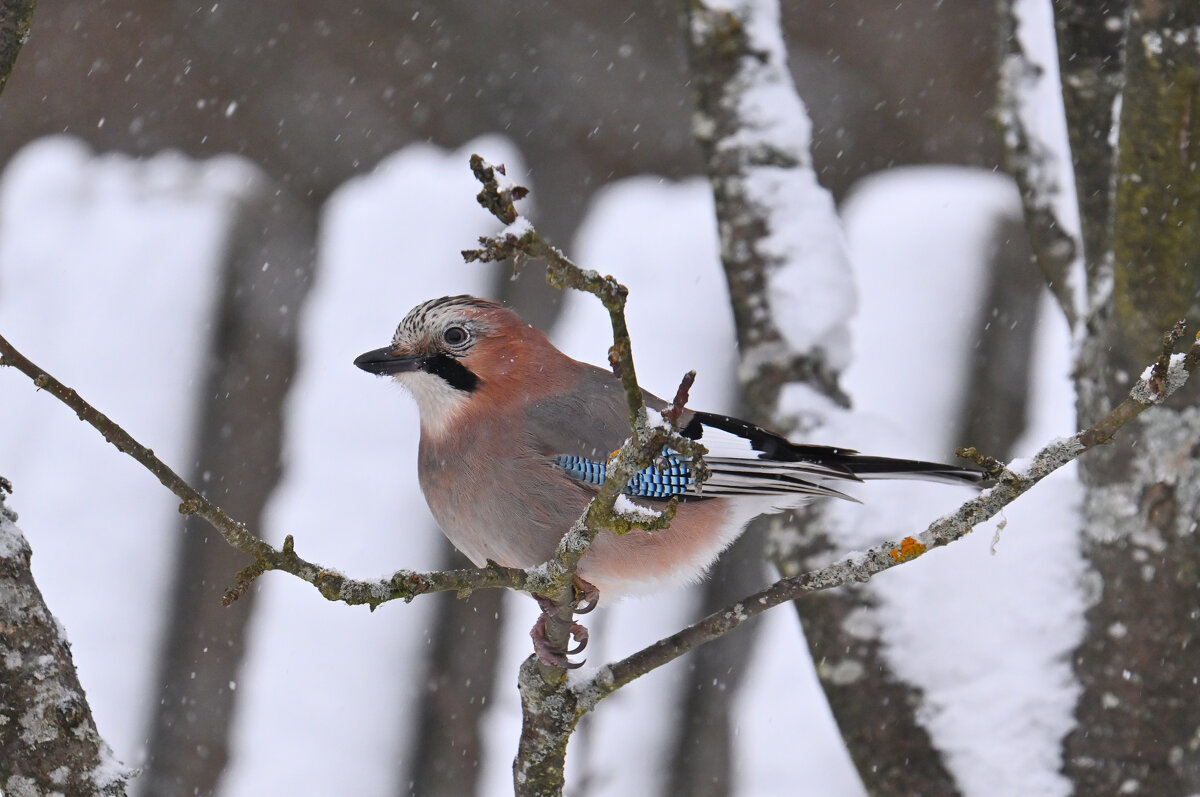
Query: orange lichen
x: 909, y: 549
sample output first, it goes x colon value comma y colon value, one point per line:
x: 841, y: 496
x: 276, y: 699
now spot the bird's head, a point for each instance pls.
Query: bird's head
x: 459, y: 353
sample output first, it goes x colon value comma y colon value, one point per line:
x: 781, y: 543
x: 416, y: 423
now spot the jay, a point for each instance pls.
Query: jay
x: 515, y: 436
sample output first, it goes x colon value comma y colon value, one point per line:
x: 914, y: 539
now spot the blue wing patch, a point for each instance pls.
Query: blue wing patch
x: 650, y: 482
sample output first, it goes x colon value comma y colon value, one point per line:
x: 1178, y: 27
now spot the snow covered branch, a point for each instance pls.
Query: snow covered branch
x: 1037, y: 152
x: 782, y: 245
x: 792, y: 292
x: 48, y: 740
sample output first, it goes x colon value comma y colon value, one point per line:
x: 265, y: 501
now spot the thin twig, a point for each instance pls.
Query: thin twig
x: 403, y: 585
x: 1011, y: 485
x: 520, y: 240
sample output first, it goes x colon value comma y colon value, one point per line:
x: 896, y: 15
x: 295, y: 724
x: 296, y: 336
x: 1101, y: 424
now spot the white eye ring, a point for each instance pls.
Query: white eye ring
x: 455, y: 335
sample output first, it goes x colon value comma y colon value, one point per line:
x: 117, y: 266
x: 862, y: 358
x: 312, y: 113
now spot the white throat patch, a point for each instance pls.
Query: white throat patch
x: 438, y: 403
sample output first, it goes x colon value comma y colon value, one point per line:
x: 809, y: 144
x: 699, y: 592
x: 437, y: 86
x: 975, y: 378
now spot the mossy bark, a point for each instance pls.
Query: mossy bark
x: 1140, y: 656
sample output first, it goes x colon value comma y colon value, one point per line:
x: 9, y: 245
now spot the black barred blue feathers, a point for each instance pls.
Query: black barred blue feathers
x: 649, y: 482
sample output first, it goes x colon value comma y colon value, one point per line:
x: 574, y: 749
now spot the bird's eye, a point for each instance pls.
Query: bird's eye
x: 454, y: 336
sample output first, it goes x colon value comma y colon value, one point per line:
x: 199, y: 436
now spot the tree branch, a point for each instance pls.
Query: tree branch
x: 403, y: 585
x: 649, y: 435
x: 1011, y: 484
x: 792, y: 293
x: 549, y: 708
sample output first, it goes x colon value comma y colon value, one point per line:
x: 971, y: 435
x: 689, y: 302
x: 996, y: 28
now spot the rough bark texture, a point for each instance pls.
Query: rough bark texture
x: 874, y: 710
x: 550, y: 713
x: 1090, y: 63
x: 268, y: 269
x: 48, y: 739
x: 15, y: 18
x: 1140, y: 657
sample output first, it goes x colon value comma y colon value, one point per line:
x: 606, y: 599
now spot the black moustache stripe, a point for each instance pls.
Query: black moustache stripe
x: 457, y: 375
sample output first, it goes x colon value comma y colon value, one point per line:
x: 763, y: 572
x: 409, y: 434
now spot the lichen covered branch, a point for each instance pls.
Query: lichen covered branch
x: 404, y: 585
x: 1010, y: 485
x: 518, y: 241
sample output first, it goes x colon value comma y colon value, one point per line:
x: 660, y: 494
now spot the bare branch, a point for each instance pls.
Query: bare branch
x: 549, y: 707
x: 648, y: 440
x: 1011, y: 485
x: 403, y: 585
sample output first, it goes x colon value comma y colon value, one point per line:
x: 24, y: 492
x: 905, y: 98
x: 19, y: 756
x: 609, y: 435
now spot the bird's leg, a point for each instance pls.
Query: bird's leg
x: 546, y: 650
x: 584, y: 598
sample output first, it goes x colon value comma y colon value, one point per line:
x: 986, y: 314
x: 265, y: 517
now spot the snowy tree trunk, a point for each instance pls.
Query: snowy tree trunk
x: 48, y: 739
x: 792, y: 293
x: 1140, y: 658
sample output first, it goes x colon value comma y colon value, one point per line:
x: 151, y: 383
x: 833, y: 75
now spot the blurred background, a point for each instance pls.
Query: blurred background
x: 206, y: 212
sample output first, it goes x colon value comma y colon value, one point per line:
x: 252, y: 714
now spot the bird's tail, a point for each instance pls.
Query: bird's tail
x: 867, y: 467
x: 769, y: 463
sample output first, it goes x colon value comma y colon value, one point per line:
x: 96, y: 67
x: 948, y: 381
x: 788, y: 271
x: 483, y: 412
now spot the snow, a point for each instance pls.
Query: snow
x: 917, y: 236
x: 811, y: 288
x: 12, y: 542
x: 985, y: 637
x: 518, y: 228
x: 627, y: 508
x: 1175, y: 361
x: 1035, y: 85
x: 107, y: 275
x: 350, y: 493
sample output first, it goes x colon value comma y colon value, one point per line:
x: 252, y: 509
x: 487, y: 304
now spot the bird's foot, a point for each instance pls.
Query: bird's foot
x: 546, y: 652
x: 584, y: 598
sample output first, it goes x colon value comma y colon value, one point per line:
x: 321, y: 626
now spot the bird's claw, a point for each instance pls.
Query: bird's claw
x: 545, y: 651
x: 587, y: 597
x: 584, y: 595
x: 580, y: 635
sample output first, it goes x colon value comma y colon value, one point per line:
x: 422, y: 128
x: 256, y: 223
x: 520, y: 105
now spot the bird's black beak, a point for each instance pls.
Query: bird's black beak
x: 388, y: 361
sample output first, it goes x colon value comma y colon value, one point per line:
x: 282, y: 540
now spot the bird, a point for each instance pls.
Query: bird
x: 515, y: 436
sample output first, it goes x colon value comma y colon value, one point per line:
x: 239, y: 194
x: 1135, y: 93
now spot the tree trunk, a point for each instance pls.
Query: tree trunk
x: 48, y: 739
x: 1140, y: 658
x: 448, y: 747
x: 875, y: 711
x: 268, y: 270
